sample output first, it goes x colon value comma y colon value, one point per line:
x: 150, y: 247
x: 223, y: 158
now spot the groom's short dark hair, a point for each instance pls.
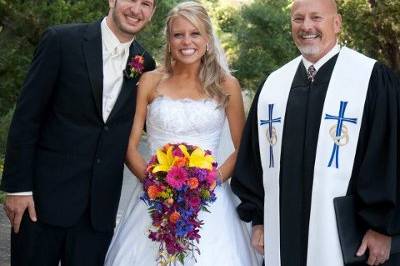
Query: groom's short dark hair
x: 154, y: 3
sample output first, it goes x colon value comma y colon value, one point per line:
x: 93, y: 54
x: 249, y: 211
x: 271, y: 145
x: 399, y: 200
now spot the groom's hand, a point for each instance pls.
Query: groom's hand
x: 257, y: 238
x: 15, y: 207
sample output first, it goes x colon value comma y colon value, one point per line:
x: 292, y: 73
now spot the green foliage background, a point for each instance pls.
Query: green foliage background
x: 257, y: 38
x: 255, y: 35
x: 373, y: 27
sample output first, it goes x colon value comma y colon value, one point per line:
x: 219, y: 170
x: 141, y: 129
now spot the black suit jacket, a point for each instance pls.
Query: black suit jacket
x: 58, y: 145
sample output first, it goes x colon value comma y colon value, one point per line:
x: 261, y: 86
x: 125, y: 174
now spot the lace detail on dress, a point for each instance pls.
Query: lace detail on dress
x: 196, y: 122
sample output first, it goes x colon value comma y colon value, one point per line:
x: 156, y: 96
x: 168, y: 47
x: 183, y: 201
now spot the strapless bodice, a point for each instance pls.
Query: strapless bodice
x: 195, y: 122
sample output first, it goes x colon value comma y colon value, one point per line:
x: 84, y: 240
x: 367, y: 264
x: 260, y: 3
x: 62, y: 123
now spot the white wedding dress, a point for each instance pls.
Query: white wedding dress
x: 225, y: 240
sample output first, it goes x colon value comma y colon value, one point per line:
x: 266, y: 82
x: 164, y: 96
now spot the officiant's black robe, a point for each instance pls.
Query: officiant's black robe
x: 375, y: 176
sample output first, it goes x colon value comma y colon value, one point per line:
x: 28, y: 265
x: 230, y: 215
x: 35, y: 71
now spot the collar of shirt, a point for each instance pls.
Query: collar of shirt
x: 324, y: 59
x: 111, y: 45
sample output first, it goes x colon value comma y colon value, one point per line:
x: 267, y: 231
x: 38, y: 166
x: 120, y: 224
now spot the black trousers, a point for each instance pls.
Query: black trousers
x: 39, y: 244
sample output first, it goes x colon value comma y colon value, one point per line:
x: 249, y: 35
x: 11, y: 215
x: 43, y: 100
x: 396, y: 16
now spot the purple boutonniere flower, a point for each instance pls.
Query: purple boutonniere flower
x: 135, y: 67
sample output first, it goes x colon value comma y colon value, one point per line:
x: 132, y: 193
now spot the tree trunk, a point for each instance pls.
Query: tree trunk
x: 393, y: 55
x: 372, y: 3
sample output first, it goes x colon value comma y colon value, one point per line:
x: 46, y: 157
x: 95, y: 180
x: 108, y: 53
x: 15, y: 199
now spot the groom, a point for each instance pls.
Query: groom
x: 68, y: 138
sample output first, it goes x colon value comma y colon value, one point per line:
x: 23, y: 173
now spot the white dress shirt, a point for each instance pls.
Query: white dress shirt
x: 115, y: 56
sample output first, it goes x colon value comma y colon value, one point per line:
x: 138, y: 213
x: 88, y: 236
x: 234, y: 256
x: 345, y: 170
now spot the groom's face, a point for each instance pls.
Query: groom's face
x: 128, y: 17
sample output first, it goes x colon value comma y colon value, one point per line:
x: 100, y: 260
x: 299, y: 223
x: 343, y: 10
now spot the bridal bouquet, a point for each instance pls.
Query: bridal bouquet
x: 180, y: 181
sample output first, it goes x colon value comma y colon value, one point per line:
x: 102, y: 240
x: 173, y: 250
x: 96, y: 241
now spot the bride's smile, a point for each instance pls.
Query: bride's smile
x: 188, y: 43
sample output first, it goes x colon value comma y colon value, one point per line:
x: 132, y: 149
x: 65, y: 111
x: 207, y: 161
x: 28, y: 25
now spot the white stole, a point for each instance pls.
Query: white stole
x: 329, y: 181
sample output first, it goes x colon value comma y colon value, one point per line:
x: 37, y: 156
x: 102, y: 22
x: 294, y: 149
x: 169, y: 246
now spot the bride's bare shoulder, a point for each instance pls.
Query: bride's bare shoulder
x: 151, y: 78
x: 149, y: 82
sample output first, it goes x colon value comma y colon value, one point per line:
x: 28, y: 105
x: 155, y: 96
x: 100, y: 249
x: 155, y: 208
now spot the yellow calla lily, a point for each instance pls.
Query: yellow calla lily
x: 200, y: 159
x: 184, y: 150
x: 165, y: 160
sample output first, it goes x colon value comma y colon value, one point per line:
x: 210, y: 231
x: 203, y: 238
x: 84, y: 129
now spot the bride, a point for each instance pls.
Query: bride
x: 188, y: 100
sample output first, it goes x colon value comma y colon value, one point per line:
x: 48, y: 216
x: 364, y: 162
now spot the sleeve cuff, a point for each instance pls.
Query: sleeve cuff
x: 26, y: 193
x: 258, y: 219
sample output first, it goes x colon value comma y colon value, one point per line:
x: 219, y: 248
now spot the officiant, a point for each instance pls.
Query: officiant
x: 324, y: 125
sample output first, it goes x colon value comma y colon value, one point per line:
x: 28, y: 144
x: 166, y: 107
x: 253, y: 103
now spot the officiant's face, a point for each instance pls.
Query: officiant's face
x: 128, y: 17
x: 315, y: 25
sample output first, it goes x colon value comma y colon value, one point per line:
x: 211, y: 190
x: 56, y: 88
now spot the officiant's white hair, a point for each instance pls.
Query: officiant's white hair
x: 214, y: 67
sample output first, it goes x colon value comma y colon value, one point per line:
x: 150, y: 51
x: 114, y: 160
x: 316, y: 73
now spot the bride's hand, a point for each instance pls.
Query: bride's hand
x: 140, y: 178
x: 257, y: 238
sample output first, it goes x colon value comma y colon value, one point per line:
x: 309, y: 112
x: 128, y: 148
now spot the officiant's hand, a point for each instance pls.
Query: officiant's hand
x: 378, y: 246
x: 15, y: 207
x: 257, y: 238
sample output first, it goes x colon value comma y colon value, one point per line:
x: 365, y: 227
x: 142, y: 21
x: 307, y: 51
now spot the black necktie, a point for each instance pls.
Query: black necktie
x: 311, y: 73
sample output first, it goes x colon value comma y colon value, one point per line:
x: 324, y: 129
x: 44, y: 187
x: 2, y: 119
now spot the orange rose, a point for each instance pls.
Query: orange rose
x: 174, y: 217
x: 180, y: 161
x: 193, y: 182
x: 149, y: 167
x: 153, y: 192
x: 166, y: 147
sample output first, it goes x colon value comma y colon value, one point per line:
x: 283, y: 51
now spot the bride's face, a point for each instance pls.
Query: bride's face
x: 188, y: 44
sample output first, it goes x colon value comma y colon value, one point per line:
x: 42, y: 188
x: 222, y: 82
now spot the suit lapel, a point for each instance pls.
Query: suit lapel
x: 93, y: 50
x: 128, y: 85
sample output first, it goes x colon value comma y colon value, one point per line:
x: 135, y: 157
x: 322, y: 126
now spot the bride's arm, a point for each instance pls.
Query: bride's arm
x: 134, y: 159
x: 236, y: 119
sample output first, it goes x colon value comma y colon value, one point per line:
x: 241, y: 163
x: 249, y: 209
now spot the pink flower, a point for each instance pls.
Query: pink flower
x: 193, y: 199
x: 136, y: 66
x: 194, y: 202
x: 176, y: 177
x: 178, y: 152
x: 212, y: 176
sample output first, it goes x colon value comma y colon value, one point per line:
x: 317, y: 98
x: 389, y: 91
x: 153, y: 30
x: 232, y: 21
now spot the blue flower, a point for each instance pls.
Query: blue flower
x: 182, y: 228
x: 185, y: 213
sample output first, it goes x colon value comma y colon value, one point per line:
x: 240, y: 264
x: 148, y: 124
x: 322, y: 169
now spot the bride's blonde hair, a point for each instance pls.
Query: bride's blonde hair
x: 214, y: 67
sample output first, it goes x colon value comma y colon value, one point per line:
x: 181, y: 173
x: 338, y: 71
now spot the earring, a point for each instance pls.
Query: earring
x: 207, y: 48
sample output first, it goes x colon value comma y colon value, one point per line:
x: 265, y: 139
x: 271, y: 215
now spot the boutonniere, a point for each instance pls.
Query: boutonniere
x: 135, y: 67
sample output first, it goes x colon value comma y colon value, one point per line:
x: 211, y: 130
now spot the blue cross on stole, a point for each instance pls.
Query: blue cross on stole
x: 271, y: 134
x: 338, y: 133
